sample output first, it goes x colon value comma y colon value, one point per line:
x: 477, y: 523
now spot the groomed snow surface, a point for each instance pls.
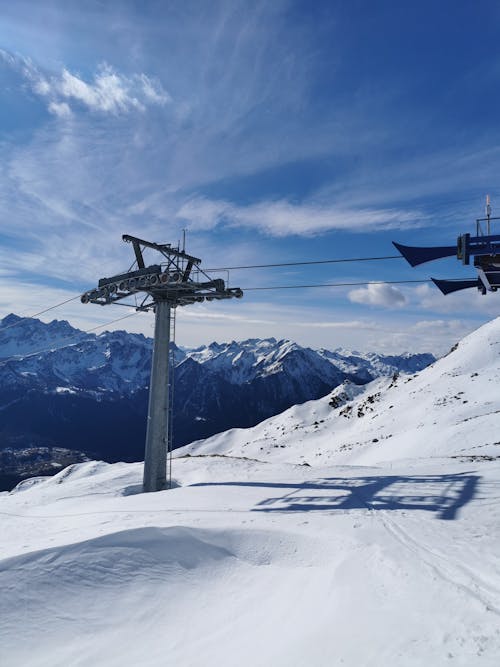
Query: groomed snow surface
x: 373, y: 554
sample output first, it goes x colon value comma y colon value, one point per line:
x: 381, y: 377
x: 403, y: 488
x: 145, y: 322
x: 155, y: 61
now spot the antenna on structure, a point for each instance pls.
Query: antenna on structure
x: 177, y: 282
x: 183, y: 240
x: 488, y: 213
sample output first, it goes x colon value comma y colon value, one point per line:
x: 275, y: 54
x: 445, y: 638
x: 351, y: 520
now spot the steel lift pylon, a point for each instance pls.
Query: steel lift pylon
x: 176, y: 281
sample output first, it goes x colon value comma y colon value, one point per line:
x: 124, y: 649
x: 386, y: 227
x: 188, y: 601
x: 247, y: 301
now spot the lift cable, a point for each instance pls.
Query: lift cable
x: 118, y: 319
x: 248, y: 289
x: 320, y: 261
x: 227, y: 268
x: 252, y: 266
x: 371, y: 282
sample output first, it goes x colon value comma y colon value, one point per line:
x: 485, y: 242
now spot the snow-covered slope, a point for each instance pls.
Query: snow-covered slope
x: 246, y: 563
x: 266, y: 562
x: 449, y: 408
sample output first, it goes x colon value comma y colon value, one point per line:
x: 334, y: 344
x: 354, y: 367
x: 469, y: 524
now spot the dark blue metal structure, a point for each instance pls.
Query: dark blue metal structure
x: 484, y: 248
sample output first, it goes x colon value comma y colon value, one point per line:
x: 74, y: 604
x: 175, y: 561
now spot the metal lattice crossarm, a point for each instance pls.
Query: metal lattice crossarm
x: 177, y: 281
x: 180, y: 281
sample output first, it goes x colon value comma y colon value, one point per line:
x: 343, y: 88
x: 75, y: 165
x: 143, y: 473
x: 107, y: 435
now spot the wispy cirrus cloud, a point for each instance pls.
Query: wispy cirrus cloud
x: 283, y: 218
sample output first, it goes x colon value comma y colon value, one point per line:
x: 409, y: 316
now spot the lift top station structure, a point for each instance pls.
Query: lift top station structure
x: 484, y: 247
x: 176, y: 280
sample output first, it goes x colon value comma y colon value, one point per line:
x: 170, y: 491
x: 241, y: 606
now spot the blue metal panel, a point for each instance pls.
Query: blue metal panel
x: 449, y: 286
x: 416, y: 256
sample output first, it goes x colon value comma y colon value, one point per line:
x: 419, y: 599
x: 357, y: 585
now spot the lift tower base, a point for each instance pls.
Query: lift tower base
x: 155, y: 459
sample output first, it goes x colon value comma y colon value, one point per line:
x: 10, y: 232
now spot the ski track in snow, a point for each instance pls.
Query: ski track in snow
x: 456, y: 573
x: 444, y: 567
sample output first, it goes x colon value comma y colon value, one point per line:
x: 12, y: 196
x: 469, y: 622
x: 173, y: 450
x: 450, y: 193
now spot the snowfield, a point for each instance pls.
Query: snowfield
x: 358, y: 530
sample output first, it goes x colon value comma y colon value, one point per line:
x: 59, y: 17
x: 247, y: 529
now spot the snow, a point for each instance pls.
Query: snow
x: 252, y: 563
x: 66, y: 390
x: 373, y: 554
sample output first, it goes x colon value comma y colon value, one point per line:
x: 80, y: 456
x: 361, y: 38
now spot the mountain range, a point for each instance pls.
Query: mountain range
x: 61, y: 387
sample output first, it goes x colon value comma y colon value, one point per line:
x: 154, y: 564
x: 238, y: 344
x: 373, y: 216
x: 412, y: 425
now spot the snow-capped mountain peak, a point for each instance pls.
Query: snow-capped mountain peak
x: 25, y: 335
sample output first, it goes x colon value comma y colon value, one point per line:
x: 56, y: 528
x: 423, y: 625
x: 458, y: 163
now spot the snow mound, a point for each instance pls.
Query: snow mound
x: 132, y: 584
x: 90, y: 477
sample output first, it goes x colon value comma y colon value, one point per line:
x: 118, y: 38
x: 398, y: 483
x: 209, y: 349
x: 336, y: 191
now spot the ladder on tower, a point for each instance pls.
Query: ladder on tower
x: 171, y: 380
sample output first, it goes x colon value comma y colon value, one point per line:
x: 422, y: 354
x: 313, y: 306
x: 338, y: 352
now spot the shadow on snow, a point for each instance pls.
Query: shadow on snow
x: 442, y: 494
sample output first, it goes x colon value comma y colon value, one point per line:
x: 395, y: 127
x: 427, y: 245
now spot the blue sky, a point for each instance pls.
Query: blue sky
x: 271, y: 131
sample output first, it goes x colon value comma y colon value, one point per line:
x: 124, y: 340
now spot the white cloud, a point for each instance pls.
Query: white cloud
x: 471, y: 301
x: 7, y: 58
x: 60, y: 109
x: 41, y: 86
x: 350, y: 324
x: 153, y: 90
x: 203, y: 213
x: 439, y: 325
x: 378, y: 295
x: 109, y: 91
x: 283, y: 218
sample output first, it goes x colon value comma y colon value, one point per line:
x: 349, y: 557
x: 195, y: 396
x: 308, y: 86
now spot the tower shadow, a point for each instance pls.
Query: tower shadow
x: 444, y: 495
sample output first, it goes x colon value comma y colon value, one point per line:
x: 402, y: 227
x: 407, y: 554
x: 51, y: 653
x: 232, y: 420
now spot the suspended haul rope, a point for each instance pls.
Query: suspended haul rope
x: 371, y: 282
x: 227, y: 268
x: 248, y: 289
x: 320, y: 261
x: 250, y: 266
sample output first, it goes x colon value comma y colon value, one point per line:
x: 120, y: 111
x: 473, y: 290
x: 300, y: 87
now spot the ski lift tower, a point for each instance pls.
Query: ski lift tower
x: 178, y: 281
